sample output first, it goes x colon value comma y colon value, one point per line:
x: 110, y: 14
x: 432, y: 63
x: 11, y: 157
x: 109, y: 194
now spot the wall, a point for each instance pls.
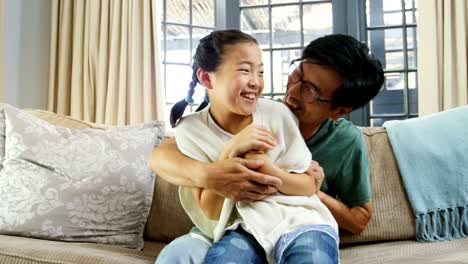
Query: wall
x: 26, y: 44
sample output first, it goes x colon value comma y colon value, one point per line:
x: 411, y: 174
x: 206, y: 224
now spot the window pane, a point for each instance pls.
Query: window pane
x: 255, y: 21
x: 266, y: 72
x: 318, y: 21
x: 411, y: 14
x: 203, y: 13
x: 278, y: 98
x: 394, y: 81
x: 410, y: 37
x: 387, y: 46
x: 384, y: 12
x: 178, y: 11
x: 178, y: 44
x: 178, y: 78
x: 197, y: 34
x: 286, y: 26
x: 412, y: 48
x: 281, y: 61
x: 409, y: 4
x: 410, y: 17
x: 413, y: 92
x: 253, y: 2
x: 283, y: 1
x: 388, y: 102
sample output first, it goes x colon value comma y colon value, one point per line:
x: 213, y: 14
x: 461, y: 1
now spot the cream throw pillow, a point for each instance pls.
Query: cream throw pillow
x: 84, y: 185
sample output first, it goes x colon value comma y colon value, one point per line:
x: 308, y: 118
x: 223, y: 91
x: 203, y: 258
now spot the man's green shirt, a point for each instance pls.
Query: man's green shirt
x: 339, y: 148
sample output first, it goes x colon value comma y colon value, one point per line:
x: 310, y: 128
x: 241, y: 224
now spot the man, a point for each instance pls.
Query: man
x: 335, y: 75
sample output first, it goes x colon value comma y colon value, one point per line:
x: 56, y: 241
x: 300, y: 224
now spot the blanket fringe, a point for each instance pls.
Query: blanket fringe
x: 442, y: 224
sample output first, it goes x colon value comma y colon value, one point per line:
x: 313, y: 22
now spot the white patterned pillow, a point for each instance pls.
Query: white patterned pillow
x: 84, y: 185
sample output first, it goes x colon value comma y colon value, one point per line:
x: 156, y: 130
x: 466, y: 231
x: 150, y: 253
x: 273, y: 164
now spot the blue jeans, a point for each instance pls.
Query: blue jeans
x: 241, y: 247
x: 309, y: 247
x: 236, y: 246
x: 184, y: 250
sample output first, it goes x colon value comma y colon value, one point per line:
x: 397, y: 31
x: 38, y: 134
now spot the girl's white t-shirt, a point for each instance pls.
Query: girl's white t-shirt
x: 200, y: 138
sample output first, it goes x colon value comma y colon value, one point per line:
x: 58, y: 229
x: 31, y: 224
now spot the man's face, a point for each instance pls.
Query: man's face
x: 311, y: 115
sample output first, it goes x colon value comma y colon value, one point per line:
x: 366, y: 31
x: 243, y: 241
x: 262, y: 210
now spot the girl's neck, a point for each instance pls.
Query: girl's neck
x: 231, y: 122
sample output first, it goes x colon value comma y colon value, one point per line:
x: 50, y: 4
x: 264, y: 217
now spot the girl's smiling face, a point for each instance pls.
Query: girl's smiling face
x: 236, y: 85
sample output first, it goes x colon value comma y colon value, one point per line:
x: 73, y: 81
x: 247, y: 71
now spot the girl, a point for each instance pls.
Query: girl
x: 236, y: 124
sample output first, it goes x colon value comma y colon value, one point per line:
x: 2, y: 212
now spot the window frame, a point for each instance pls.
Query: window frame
x: 404, y: 26
x: 190, y: 26
x: 271, y: 49
x: 349, y: 17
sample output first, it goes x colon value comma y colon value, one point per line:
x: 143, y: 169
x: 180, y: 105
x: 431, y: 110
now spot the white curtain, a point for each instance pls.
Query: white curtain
x: 442, y: 55
x: 104, y: 63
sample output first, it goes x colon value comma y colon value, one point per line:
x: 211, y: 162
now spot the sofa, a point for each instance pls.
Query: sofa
x: 389, y: 237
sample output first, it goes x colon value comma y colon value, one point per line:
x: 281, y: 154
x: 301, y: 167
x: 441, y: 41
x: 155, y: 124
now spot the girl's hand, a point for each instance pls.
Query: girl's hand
x: 252, y: 138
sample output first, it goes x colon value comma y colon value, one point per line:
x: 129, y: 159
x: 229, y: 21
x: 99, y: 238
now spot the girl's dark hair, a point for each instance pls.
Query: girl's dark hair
x: 208, y: 56
x: 362, y: 73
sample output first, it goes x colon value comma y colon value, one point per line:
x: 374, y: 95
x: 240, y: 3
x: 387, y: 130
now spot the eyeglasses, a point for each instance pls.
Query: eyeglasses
x: 308, y: 91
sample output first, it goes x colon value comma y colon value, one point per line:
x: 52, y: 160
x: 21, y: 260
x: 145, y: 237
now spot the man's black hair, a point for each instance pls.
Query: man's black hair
x: 362, y: 73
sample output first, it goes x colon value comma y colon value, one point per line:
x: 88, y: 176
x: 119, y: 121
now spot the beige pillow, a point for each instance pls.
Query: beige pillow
x: 86, y: 185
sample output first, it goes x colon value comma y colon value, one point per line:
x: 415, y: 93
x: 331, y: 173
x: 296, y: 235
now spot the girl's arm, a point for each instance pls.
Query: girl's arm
x: 252, y: 142
x: 299, y: 184
x: 250, y: 138
x: 210, y: 202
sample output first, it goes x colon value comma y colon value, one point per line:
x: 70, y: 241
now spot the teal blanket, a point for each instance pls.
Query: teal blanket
x: 432, y: 155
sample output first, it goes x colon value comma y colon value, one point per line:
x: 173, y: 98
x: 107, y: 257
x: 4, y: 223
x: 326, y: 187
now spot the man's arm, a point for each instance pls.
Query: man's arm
x: 300, y: 184
x: 354, y: 219
x: 231, y: 178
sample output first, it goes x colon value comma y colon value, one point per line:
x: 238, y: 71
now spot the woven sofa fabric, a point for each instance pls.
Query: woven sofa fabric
x: 407, y: 252
x: 167, y: 219
x: 63, y: 121
x: 393, y: 218
x: 20, y: 250
x: 86, y: 185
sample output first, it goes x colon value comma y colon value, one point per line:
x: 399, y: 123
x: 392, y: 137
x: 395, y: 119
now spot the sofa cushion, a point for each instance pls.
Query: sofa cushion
x: 393, y: 218
x: 88, y: 185
x: 21, y: 250
x: 64, y: 121
x: 408, y: 252
x: 167, y: 219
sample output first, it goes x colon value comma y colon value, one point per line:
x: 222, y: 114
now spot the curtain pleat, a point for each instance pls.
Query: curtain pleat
x: 104, y: 63
x: 442, y: 55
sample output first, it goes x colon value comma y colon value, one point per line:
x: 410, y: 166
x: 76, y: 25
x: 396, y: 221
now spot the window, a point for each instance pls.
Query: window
x: 279, y: 27
x: 391, y: 36
x: 184, y: 23
x: 283, y: 28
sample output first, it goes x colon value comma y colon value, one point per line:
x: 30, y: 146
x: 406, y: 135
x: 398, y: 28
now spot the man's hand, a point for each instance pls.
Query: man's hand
x: 251, y: 138
x: 316, y: 171
x: 237, y: 179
